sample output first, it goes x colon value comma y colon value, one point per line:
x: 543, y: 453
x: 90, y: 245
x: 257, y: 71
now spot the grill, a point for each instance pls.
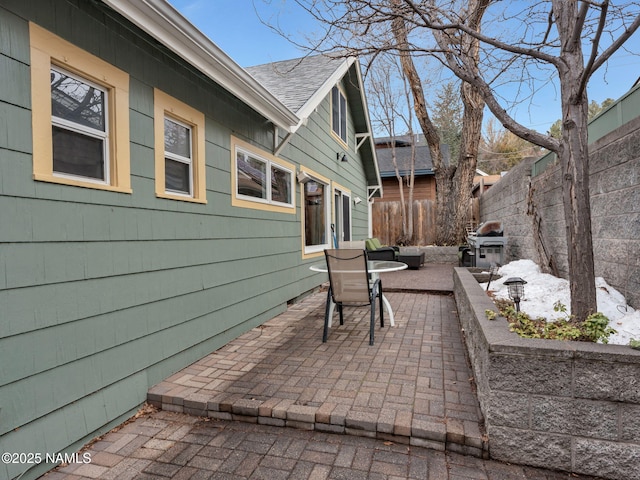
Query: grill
x: 486, y: 245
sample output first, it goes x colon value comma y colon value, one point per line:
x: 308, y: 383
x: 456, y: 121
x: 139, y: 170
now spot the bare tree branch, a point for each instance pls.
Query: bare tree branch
x: 428, y: 17
x: 617, y: 43
x: 578, y: 26
x: 594, y: 45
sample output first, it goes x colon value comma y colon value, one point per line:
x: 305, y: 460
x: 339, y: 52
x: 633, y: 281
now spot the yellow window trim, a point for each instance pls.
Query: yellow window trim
x: 48, y: 49
x: 327, y: 182
x: 239, y: 202
x: 165, y: 105
x: 336, y: 186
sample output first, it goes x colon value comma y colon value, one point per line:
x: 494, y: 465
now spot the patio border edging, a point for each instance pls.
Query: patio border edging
x: 571, y: 406
x: 328, y: 418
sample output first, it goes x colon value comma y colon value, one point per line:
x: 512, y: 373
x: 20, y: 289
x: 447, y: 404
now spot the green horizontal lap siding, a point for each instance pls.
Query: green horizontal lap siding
x: 96, y: 413
x: 104, y: 294
x: 86, y: 365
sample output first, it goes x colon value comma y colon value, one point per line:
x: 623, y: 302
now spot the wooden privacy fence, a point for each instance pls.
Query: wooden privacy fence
x: 387, y: 222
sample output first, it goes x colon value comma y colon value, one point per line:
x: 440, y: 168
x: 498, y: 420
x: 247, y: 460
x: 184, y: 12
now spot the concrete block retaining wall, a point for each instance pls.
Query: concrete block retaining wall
x: 614, y: 163
x: 571, y: 406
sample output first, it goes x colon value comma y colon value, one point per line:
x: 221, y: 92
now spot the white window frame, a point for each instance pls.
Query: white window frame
x: 166, y: 106
x: 342, y: 197
x: 341, y: 135
x: 240, y: 147
x: 179, y: 158
x: 49, y: 51
x: 86, y: 131
x: 314, y: 249
x: 269, y: 165
x: 292, y: 186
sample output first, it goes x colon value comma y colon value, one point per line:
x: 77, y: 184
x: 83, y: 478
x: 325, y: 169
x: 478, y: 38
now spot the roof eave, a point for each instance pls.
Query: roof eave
x: 163, y: 22
x: 312, y: 103
x: 365, y: 107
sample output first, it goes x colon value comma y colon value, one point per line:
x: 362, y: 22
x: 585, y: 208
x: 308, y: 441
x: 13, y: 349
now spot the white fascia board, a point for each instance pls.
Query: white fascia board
x: 310, y: 105
x: 365, y: 107
x: 163, y: 22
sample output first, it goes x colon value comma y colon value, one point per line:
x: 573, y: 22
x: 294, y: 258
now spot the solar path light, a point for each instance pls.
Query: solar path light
x: 516, y: 290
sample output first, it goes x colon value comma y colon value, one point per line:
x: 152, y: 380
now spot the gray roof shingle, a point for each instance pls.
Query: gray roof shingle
x: 294, y: 82
x: 423, y: 165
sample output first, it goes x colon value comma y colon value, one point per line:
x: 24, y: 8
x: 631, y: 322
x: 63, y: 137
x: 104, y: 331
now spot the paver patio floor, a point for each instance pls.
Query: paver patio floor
x: 412, y: 386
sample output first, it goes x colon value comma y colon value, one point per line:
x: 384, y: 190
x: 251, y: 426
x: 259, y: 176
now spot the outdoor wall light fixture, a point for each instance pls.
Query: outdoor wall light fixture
x: 515, y: 285
x: 342, y: 156
x: 357, y: 200
x: 303, y: 177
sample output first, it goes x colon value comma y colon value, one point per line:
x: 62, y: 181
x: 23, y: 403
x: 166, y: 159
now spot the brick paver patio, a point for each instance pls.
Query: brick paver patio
x: 411, y: 389
x: 178, y: 446
x: 412, y: 386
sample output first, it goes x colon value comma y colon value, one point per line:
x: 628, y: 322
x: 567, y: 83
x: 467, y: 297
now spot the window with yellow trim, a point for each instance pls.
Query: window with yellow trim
x: 179, y: 150
x: 316, y: 197
x: 261, y: 180
x: 80, y: 116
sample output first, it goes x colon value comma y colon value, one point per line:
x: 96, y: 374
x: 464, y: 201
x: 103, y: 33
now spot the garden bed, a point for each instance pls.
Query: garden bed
x: 572, y: 406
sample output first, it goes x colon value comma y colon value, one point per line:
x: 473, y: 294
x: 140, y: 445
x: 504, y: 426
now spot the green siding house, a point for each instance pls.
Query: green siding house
x: 156, y: 201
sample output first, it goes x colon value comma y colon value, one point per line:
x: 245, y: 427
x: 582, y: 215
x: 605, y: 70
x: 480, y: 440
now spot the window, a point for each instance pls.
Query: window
x: 342, y: 214
x: 80, y: 115
x: 177, y: 157
x: 179, y: 150
x: 339, y: 114
x: 316, y: 196
x: 79, y: 128
x: 260, y: 180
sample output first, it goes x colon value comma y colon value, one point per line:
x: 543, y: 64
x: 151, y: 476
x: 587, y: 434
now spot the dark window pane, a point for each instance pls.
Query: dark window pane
x: 343, y: 118
x: 177, y: 138
x: 346, y: 218
x: 314, y: 221
x: 280, y: 185
x: 76, y: 101
x: 176, y: 176
x: 251, y: 176
x: 335, y: 109
x: 77, y: 154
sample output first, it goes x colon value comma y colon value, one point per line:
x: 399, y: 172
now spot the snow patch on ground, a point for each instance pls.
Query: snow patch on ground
x: 542, y: 291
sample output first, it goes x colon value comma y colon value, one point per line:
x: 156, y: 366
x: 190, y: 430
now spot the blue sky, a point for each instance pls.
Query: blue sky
x: 236, y: 27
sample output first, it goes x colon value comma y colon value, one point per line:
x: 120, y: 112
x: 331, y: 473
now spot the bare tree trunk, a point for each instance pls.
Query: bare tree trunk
x: 412, y: 177
x: 443, y: 183
x: 403, y: 209
x: 471, y: 125
x: 453, y: 183
x: 468, y: 159
x: 574, y: 163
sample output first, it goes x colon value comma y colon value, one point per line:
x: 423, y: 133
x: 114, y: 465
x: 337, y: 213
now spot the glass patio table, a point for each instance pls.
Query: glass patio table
x: 375, y: 268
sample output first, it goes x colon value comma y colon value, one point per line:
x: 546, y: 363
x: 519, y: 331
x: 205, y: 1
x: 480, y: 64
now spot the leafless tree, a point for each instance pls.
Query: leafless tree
x: 391, y: 109
x: 370, y: 28
x: 453, y: 182
x: 558, y: 42
x: 553, y: 35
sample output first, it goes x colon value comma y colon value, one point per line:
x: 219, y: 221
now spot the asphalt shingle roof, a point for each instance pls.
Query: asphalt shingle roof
x: 424, y: 165
x: 294, y: 82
